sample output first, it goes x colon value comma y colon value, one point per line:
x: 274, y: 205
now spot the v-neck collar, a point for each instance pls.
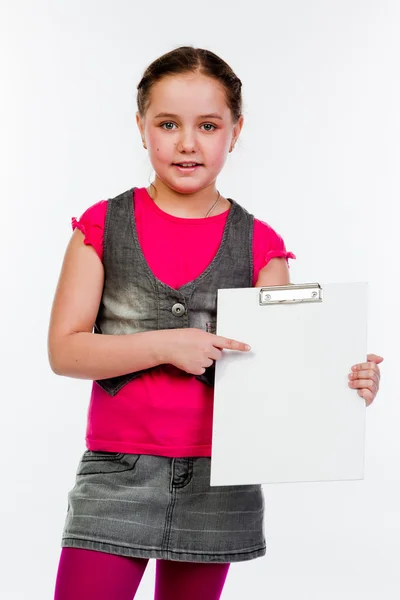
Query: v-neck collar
x: 189, y: 285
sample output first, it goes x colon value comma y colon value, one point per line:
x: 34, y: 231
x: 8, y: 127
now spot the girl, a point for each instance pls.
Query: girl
x: 135, y: 311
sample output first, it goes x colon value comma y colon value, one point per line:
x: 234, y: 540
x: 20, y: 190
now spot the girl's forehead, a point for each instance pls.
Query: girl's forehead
x: 188, y: 93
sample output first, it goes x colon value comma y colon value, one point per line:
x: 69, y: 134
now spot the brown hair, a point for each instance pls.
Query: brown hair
x: 188, y: 59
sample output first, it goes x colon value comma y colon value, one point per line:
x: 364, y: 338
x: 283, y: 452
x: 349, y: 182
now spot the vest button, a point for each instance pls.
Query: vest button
x: 178, y: 310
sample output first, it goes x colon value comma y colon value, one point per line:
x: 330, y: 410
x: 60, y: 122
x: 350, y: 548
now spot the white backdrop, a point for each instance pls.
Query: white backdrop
x: 318, y: 160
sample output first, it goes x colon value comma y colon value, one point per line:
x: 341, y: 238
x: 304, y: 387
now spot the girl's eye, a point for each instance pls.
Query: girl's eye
x: 208, y: 126
x: 167, y: 123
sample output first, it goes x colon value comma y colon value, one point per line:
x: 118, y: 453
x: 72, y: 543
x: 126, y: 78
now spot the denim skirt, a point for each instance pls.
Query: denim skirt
x: 147, y: 506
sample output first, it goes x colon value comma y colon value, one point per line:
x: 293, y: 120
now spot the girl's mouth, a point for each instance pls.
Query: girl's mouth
x: 187, y: 167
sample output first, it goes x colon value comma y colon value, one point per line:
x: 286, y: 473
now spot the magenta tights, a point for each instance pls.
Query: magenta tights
x: 91, y: 575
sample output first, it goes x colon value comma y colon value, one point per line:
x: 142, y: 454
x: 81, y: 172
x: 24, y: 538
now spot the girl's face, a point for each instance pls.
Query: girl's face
x: 188, y: 121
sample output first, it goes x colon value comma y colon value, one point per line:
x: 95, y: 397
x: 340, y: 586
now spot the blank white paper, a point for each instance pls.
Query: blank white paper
x: 284, y: 412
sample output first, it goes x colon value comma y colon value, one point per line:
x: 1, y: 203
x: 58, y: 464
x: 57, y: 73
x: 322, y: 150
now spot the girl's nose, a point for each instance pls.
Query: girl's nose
x: 187, y: 141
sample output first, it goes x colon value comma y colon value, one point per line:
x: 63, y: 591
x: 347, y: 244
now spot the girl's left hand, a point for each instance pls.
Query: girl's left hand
x: 365, y: 377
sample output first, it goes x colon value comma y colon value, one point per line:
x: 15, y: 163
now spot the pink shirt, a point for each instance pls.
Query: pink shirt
x: 165, y: 412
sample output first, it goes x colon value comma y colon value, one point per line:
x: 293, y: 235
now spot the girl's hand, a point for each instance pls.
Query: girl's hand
x: 366, y: 377
x: 193, y: 350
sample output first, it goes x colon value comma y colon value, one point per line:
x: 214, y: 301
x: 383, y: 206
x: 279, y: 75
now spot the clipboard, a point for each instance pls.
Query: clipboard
x: 284, y: 412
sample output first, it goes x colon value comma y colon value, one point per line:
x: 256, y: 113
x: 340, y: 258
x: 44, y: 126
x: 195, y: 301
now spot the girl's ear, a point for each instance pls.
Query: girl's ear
x: 236, y: 132
x: 139, y: 122
x: 141, y: 128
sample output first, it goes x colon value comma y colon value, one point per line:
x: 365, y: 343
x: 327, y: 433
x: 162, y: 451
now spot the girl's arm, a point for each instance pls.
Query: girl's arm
x: 276, y: 272
x: 73, y: 349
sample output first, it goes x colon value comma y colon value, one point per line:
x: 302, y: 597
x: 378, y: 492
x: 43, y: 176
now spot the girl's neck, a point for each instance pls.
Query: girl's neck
x: 189, y: 206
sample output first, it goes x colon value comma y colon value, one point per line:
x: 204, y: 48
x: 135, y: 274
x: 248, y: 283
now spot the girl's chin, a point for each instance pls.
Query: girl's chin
x: 185, y: 185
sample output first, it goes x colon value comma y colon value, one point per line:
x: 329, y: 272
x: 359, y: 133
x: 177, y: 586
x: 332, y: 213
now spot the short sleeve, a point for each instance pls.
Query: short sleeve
x: 267, y: 244
x: 91, y: 224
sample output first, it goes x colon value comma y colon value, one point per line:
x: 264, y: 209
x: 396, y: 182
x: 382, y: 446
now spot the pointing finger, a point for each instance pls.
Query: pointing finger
x: 229, y: 344
x: 375, y: 358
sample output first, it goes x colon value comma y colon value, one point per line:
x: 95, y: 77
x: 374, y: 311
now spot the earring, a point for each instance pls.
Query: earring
x: 144, y: 144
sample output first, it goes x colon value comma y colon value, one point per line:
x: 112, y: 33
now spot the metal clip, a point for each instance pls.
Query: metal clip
x: 291, y: 294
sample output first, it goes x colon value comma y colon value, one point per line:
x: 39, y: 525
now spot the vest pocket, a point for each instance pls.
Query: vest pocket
x: 97, y: 462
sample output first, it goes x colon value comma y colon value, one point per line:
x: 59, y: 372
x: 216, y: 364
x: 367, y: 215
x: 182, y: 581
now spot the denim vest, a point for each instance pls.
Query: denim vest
x: 134, y: 300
